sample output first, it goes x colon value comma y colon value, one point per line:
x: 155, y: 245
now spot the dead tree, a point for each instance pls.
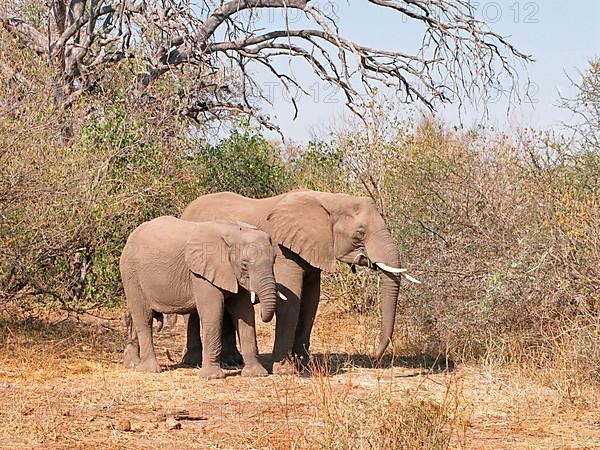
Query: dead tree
x: 459, y: 57
x: 585, y: 108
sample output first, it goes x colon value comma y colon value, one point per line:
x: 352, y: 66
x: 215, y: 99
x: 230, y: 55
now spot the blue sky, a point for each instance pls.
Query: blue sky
x: 561, y: 36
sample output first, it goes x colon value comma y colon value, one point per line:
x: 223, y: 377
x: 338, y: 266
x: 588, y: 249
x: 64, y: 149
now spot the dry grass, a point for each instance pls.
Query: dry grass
x: 62, y: 385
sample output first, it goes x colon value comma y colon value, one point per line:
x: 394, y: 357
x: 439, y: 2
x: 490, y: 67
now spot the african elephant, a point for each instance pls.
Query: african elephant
x: 173, y: 266
x: 310, y: 231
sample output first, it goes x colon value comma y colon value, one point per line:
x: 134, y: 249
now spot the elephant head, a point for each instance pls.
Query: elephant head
x: 322, y: 227
x: 236, y: 254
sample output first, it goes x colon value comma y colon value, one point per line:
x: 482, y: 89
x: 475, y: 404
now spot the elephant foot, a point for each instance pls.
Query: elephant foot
x: 232, y: 359
x: 192, y: 357
x: 148, y: 366
x: 284, y: 367
x: 254, y: 370
x: 131, y: 356
x: 211, y: 373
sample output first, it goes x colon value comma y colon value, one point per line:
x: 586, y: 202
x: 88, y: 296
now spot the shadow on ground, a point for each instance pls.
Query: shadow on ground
x: 339, y: 363
x: 331, y: 364
x: 104, y: 338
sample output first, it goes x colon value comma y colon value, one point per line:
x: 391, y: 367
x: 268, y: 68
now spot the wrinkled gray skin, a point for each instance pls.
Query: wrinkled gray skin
x: 170, y: 266
x: 310, y: 231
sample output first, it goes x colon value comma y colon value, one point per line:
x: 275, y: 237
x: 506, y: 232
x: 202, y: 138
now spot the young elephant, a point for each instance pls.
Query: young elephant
x: 173, y: 266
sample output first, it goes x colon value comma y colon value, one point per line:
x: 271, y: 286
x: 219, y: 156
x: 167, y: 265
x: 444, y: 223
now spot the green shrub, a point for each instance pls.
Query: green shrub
x: 245, y: 163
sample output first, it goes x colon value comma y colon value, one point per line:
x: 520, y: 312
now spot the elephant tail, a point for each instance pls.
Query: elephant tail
x: 129, y: 326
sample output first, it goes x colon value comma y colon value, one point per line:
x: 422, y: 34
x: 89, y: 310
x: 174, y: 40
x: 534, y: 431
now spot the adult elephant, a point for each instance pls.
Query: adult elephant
x: 309, y: 230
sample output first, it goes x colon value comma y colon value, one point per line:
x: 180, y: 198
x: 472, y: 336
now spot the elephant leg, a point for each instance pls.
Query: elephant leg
x: 311, y: 291
x: 140, y: 342
x: 148, y: 361
x: 142, y: 321
x: 210, y: 309
x: 230, y: 356
x: 289, y: 276
x: 192, y: 355
x: 242, y: 314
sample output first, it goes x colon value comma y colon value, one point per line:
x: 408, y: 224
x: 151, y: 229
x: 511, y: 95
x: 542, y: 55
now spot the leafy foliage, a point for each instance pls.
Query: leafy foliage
x: 245, y: 163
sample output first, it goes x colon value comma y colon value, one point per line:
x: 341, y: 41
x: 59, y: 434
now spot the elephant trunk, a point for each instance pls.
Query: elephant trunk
x: 383, y: 250
x: 267, y: 293
x: 390, y: 285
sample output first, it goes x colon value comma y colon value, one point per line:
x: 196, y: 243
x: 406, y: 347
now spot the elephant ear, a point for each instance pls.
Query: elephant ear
x: 301, y: 223
x: 208, y: 256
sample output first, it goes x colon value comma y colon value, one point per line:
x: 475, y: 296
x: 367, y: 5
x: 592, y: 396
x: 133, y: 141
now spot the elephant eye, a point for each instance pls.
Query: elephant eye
x: 359, y: 236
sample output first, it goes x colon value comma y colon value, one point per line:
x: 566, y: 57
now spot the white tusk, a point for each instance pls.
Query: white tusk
x: 402, y: 272
x: 389, y: 269
x: 253, y: 297
x: 409, y: 278
x: 283, y: 297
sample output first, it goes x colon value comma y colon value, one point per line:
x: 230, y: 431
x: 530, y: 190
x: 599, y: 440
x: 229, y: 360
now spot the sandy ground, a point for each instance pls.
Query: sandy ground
x: 62, y: 386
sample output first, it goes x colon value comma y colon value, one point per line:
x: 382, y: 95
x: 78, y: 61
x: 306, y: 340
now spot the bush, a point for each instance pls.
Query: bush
x: 245, y: 163
x: 74, y: 184
x: 503, y: 231
x: 69, y: 208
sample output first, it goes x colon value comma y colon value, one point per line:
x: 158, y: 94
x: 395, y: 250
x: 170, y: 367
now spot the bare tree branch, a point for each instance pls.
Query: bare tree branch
x: 459, y: 57
x: 28, y: 35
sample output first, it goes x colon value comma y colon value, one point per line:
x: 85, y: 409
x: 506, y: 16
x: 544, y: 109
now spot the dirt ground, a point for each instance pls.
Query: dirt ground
x: 62, y: 386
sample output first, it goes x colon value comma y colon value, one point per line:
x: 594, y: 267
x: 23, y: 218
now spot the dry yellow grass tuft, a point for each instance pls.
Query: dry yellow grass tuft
x: 62, y: 385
